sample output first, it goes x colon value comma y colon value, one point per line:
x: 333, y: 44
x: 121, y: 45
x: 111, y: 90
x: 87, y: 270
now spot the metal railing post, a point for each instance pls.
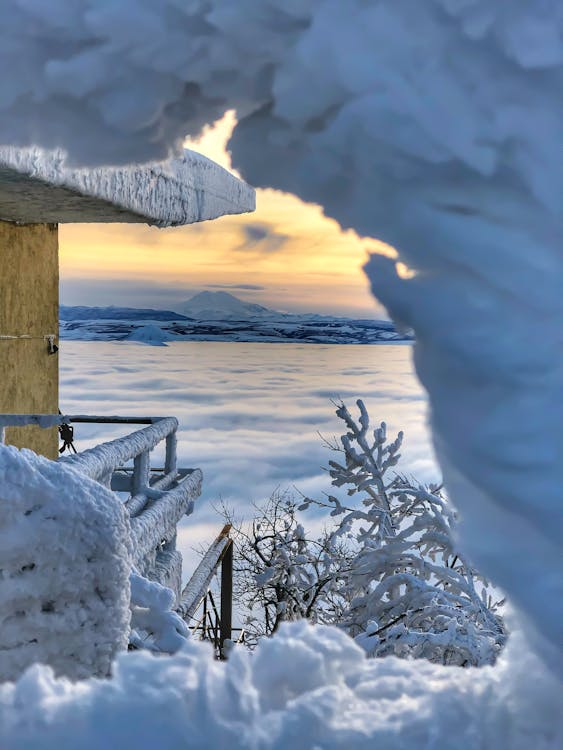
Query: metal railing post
x: 170, y: 460
x: 204, y: 626
x: 226, y: 598
x: 141, y: 473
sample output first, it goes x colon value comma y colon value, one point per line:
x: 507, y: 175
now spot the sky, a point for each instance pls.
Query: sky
x: 286, y: 255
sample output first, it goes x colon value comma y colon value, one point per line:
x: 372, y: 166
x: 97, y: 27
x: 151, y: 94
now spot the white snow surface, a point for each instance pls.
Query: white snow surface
x: 154, y: 624
x: 182, y: 190
x: 309, y: 687
x: 435, y: 126
x: 65, y: 562
x: 151, y: 334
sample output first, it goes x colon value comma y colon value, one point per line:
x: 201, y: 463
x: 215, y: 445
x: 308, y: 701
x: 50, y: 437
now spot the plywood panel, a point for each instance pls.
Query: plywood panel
x: 29, y: 305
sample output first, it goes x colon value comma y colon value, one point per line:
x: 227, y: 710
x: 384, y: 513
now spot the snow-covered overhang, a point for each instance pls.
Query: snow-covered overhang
x: 37, y: 186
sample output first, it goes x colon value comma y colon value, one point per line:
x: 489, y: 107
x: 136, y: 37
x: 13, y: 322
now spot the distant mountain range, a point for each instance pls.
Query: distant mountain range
x: 116, y: 313
x: 220, y: 316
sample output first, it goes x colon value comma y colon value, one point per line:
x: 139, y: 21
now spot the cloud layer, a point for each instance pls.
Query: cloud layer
x: 249, y: 413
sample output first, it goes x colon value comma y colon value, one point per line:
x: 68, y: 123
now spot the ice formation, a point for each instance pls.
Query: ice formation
x: 154, y: 624
x: 65, y: 562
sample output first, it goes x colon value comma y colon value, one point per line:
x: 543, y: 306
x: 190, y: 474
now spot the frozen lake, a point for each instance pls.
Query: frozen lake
x: 249, y: 413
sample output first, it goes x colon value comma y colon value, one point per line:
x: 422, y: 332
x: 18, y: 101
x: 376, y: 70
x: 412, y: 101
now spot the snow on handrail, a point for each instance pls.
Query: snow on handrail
x: 197, y: 586
x: 52, y: 420
x: 157, y: 498
x: 157, y: 522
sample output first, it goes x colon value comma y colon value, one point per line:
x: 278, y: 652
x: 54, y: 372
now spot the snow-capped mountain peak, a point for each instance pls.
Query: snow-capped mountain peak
x: 222, y: 306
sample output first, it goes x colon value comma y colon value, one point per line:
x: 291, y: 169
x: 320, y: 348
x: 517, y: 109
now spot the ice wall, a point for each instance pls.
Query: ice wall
x: 65, y: 564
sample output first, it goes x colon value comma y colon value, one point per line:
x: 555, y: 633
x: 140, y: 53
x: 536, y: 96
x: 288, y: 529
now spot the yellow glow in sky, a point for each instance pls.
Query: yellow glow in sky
x: 297, y: 259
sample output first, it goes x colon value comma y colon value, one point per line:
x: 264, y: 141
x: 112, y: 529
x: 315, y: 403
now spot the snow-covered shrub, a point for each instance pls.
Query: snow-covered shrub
x: 411, y: 591
x: 280, y: 573
x: 65, y: 561
x: 388, y: 571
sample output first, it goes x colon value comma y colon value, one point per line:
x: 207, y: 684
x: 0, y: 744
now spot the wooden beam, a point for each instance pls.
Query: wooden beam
x: 29, y: 311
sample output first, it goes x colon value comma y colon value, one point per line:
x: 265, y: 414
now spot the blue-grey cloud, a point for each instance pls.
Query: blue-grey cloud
x: 242, y: 287
x: 260, y: 237
x: 123, y: 292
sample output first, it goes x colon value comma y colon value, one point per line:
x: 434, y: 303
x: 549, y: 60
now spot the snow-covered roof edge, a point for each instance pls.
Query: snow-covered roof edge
x: 183, y: 190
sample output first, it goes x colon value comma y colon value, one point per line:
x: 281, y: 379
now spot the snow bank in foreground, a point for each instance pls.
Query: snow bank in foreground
x: 310, y: 687
x: 64, y: 569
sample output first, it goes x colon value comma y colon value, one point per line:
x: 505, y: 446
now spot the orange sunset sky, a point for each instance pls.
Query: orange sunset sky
x: 286, y: 255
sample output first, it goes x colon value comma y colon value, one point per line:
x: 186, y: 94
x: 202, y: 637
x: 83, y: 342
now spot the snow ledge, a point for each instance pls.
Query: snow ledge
x: 36, y: 186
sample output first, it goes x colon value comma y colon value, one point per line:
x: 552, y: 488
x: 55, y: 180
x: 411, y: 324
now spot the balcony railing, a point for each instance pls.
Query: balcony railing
x: 156, y: 498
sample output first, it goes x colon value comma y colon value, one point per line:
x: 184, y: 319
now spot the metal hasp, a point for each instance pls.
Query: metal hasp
x: 211, y: 623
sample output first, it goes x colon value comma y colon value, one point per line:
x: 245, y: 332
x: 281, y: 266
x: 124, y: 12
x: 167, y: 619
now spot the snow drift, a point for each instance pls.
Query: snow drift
x: 307, y: 687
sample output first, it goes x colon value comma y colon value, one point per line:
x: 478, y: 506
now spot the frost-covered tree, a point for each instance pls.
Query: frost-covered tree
x: 388, y: 571
x: 281, y: 574
x: 411, y: 591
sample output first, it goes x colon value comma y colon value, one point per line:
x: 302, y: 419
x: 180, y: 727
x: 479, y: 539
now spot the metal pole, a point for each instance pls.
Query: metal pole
x: 226, y: 597
x: 170, y: 460
x: 204, y: 626
x: 141, y: 473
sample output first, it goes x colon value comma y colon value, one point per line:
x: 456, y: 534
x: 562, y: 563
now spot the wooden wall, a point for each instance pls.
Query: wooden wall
x: 29, y: 305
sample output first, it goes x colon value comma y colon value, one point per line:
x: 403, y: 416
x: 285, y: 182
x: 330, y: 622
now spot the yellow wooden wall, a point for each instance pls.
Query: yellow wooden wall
x: 29, y: 305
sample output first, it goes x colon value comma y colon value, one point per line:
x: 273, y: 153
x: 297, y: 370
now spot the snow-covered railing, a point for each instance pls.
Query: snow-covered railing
x: 214, y: 624
x: 156, y: 498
